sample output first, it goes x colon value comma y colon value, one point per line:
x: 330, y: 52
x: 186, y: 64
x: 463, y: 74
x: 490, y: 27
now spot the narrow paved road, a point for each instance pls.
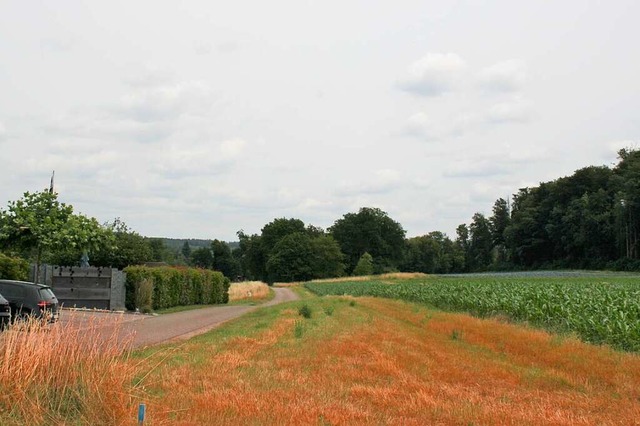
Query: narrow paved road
x: 144, y: 330
x: 184, y: 325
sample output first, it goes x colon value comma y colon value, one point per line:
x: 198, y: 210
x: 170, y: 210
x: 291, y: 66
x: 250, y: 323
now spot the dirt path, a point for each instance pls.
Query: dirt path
x: 143, y: 330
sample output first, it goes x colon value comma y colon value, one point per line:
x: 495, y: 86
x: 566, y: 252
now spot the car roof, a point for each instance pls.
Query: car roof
x: 24, y: 283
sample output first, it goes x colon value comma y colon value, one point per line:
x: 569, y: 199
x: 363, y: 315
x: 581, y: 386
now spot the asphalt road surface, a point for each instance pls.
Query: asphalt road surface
x: 139, y: 331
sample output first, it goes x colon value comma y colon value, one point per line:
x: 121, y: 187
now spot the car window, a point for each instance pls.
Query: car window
x: 47, y: 294
x: 11, y: 291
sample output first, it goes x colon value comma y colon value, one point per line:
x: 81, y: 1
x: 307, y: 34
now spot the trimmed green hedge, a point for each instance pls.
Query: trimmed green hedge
x: 13, y: 268
x: 174, y: 286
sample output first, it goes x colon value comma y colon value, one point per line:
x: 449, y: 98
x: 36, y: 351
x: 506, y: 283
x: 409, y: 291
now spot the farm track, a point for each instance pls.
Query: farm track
x: 139, y: 331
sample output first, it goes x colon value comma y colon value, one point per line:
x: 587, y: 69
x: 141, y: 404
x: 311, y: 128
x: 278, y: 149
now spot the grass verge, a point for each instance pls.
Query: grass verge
x: 382, y: 361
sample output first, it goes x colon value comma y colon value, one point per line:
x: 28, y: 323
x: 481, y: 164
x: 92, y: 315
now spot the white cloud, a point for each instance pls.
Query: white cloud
x: 3, y: 132
x: 232, y: 148
x: 434, y: 74
x: 477, y: 168
x: 517, y: 110
x: 381, y: 182
x: 200, y: 159
x: 506, y: 76
x: 421, y: 126
x: 166, y: 102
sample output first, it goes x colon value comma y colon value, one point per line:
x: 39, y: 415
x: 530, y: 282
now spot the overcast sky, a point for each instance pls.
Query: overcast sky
x: 195, y: 119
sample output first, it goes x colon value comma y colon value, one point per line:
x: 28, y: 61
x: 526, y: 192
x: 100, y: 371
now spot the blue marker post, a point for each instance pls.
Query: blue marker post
x: 142, y: 409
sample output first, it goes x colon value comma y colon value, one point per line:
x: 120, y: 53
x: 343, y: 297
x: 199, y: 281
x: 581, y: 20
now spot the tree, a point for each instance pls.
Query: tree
x: 252, y: 256
x: 276, y: 230
x: 462, y: 242
x: 433, y: 253
x: 39, y: 225
x: 326, y: 257
x: 372, y: 231
x: 498, y: 223
x: 364, y: 265
x: 223, y: 260
x: 128, y: 248
x: 480, y: 243
x: 290, y: 259
x: 159, y: 251
x: 202, y: 258
x: 186, y: 250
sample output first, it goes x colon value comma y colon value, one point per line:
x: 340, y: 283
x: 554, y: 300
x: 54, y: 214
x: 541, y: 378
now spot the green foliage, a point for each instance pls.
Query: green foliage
x: 364, y: 266
x: 13, y: 268
x: 144, y: 295
x: 128, y: 248
x: 305, y: 311
x: 44, y: 229
x: 328, y: 310
x: 252, y: 256
x: 433, y: 253
x: 202, y: 258
x: 223, y: 259
x: 299, y: 254
x: 290, y: 259
x: 177, y: 286
x: 601, y: 312
x: 480, y: 243
x: 298, y: 329
x: 372, y: 231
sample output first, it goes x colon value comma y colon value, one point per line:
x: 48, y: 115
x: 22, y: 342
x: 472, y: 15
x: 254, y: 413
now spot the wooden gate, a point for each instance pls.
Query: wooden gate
x: 82, y: 287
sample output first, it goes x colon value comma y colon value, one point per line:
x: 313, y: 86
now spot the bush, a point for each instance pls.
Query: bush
x: 13, y: 268
x: 173, y: 286
x: 305, y: 311
x: 144, y: 295
x: 364, y: 266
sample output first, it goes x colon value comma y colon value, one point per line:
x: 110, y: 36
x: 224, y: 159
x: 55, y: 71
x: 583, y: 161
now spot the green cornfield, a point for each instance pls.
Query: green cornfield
x: 599, y: 309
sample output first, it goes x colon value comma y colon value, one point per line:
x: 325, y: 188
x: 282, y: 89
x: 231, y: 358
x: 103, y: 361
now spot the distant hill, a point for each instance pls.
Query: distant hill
x: 175, y: 244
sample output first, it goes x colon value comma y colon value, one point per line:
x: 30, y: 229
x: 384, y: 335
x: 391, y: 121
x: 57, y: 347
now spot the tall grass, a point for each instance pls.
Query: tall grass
x: 249, y: 290
x: 61, y: 374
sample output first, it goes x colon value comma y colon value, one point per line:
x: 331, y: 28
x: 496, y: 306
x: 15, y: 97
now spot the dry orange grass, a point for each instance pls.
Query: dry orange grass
x: 387, y: 362
x: 58, y: 374
x: 248, y: 290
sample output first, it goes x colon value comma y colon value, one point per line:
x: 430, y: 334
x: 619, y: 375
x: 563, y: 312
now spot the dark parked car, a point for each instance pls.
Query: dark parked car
x: 5, y: 312
x: 29, y: 299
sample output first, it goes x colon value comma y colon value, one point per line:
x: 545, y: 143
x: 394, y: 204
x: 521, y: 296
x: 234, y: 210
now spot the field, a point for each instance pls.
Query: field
x: 601, y: 309
x: 378, y: 361
x: 354, y: 360
x: 249, y: 290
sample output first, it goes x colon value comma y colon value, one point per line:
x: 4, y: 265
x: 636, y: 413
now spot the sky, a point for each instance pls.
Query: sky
x: 197, y: 119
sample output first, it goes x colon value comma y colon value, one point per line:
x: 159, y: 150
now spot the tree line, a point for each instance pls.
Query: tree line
x: 590, y: 219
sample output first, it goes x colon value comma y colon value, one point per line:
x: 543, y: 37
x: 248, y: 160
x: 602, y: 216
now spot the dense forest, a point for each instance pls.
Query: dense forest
x: 588, y: 220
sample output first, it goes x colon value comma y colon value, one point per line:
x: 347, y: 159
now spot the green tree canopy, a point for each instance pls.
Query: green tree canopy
x: 370, y: 231
x: 40, y: 227
x: 364, y: 265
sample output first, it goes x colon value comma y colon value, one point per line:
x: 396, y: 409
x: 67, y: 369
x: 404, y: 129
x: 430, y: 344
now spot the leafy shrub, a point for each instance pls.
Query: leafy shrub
x: 13, y: 268
x: 144, y: 295
x: 328, y: 310
x: 364, y: 266
x: 305, y: 311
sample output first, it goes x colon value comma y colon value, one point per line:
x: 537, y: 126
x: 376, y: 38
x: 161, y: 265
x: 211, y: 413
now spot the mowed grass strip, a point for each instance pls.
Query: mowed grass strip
x: 378, y: 361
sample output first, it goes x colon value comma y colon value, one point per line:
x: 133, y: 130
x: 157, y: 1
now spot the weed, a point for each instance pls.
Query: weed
x: 328, y: 310
x: 456, y: 335
x: 305, y: 311
x: 352, y: 303
x: 298, y: 330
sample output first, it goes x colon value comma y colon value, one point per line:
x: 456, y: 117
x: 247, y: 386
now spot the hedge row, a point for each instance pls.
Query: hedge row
x: 173, y: 286
x: 13, y: 268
